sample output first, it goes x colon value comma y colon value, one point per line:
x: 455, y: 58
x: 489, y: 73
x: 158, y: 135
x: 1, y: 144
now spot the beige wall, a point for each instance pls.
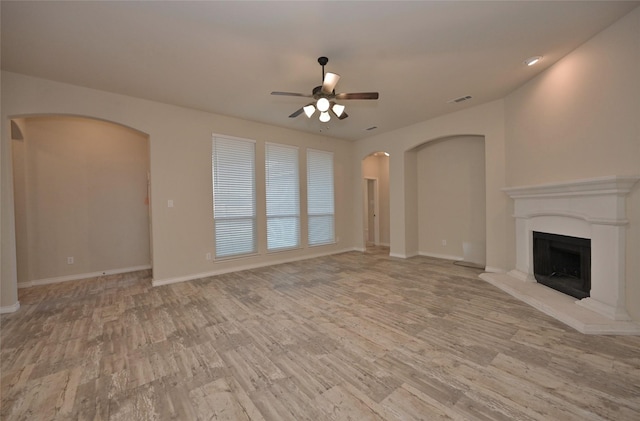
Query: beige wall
x: 180, y: 160
x: 451, y: 198
x: 81, y: 192
x: 587, y: 102
x: 486, y: 120
x: 581, y: 119
x: 377, y: 166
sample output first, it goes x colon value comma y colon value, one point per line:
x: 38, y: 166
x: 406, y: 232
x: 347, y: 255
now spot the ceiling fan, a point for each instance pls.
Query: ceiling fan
x: 324, y: 97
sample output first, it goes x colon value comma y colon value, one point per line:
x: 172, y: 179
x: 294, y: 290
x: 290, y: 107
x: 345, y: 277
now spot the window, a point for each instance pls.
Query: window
x: 234, y: 196
x: 320, y: 207
x: 283, y: 203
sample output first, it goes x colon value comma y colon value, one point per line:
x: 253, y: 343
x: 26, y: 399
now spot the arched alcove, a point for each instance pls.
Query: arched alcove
x: 81, y: 198
x: 450, y: 198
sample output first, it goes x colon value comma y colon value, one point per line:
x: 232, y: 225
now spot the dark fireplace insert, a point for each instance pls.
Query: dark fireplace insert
x: 563, y: 263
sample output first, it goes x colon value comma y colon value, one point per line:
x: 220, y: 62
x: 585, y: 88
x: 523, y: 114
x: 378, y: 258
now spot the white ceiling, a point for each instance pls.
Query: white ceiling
x: 226, y: 57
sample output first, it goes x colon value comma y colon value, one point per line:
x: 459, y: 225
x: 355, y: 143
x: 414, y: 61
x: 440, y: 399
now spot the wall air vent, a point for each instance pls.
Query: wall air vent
x: 457, y: 100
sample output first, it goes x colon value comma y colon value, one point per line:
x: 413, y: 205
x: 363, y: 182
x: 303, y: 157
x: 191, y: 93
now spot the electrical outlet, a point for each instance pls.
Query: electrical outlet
x: 208, y: 256
x: 169, y: 203
x: 69, y: 260
x: 444, y: 243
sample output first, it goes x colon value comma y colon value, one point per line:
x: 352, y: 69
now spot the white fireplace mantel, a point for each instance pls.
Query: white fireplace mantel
x: 591, y: 208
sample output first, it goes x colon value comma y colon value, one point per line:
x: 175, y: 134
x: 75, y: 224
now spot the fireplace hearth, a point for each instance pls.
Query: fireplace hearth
x: 563, y: 263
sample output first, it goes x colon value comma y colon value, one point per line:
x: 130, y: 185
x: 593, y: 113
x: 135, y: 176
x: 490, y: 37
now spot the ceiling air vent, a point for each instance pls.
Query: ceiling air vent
x: 371, y: 128
x: 457, y: 100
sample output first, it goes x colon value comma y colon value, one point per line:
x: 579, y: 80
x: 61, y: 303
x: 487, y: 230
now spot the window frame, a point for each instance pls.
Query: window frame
x: 253, y: 218
x: 311, y: 215
x: 297, y: 214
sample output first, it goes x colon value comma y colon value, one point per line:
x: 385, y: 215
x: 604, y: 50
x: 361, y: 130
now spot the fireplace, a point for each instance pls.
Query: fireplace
x: 592, y: 209
x: 563, y: 263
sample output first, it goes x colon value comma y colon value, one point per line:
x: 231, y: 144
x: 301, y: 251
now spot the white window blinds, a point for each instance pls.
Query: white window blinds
x: 283, y: 202
x: 320, y: 206
x: 234, y: 196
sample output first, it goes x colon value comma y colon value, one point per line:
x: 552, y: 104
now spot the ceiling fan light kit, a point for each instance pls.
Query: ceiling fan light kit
x: 338, y: 109
x: 309, y: 110
x: 325, y: 117
x: 323, y: 105
x: 324, y: 96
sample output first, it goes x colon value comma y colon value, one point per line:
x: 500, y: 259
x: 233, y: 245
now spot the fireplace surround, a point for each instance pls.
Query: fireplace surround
x: 593, y: 209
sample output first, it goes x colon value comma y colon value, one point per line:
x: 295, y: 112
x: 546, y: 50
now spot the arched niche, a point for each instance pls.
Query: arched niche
x: 448, y: 198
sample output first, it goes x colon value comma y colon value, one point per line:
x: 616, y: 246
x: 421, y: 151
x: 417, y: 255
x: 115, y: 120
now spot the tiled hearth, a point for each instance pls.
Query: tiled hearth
x: 593, y: 209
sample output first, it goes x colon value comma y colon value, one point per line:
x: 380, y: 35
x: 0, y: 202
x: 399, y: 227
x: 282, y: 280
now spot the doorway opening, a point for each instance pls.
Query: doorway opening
x: 371, y: 231
x: 81, y: 198
x: 375, y: 185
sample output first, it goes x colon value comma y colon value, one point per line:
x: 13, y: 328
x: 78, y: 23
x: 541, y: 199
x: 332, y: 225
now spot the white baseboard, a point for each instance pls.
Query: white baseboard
x: 58, y: 279
x: 11, y: 308
x: 403, y: 256
x: 441, y: 256
x: 191, y: 277
x: 493, y: 269
x: 398, y: 255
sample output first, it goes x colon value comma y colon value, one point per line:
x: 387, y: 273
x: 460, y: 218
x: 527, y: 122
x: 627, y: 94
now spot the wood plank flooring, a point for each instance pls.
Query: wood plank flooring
x: 357, y: 336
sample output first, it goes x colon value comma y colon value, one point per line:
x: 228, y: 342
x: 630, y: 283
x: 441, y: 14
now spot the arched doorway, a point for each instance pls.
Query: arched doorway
x: 375, y: 176
x: 81, y: 197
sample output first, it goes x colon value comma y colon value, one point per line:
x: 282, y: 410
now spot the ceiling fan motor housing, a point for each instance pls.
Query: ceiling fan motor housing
x: 317, y: 93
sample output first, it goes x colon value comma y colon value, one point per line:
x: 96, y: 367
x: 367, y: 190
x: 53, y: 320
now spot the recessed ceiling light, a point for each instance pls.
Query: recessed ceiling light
x: 532, y: 60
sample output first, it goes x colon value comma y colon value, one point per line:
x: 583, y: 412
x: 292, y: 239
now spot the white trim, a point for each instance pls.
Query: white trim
x: 493, y: 269
x: 167, y: 281
x: 58, y: 279
x: 399, y: 256
x: 224, y: 136
x: 591, y: 208
x: 523, y: 214
x: 403, y: 256
x: 441, y: 256
x: 383, y: 244
x: 616, y: 184
x: 10, y: 309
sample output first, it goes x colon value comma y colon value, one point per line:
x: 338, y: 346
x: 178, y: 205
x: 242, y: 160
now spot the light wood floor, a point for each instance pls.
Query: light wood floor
x: 353, y: 336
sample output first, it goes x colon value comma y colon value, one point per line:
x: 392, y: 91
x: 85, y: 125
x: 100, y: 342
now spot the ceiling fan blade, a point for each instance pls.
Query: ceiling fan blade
x: 296, y: 113
x: 343, y: 116
x: 289, y: 94
x: 358, y: 95
x: 329, y: 83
